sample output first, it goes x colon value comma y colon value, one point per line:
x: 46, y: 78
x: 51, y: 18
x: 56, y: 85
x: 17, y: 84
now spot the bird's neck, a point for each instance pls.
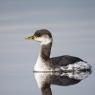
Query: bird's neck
x: 45, y: 51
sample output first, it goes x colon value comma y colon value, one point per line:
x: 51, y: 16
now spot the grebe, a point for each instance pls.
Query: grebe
x: 60, y: 63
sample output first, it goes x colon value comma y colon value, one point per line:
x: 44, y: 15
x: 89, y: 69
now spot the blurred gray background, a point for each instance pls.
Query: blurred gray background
x: 72, y: 23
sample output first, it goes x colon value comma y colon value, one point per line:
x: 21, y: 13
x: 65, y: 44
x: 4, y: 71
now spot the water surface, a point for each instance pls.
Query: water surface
x: 72, y: 24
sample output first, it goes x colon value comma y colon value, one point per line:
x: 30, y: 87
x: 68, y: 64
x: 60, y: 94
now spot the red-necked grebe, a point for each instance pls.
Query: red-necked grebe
x: 45, y: 63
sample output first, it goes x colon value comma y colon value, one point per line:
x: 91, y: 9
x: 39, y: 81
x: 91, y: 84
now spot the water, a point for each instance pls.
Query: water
x: 18, y: 57
x: 72, y: 24
x: 46, y: 79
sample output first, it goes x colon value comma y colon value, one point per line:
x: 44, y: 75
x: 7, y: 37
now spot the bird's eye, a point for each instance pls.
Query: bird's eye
x: 37, y: 34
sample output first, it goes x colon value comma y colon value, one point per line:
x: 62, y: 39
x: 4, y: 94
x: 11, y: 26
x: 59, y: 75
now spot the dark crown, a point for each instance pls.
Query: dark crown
x: 41, y: 32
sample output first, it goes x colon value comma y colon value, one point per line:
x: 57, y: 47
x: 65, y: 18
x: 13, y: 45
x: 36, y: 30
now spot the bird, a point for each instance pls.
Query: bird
x: 60, y: 63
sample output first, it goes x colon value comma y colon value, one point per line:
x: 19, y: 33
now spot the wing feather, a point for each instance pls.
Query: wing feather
x: 65, y: 60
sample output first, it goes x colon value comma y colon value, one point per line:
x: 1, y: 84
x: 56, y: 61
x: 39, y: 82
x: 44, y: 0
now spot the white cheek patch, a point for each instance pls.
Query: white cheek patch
x: 46, y: 41
x: 43, y: 40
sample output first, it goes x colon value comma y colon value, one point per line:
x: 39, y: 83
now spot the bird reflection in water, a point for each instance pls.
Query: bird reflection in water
x: 46, y: 79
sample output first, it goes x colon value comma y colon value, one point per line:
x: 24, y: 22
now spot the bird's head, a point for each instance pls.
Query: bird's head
x: 43, y: 36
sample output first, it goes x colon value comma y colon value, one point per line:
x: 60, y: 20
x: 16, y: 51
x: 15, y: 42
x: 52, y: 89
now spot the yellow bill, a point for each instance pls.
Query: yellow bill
x: 30, y: 38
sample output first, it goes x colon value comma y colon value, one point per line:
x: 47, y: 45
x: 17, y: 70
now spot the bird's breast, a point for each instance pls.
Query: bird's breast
x: 41, y: 65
